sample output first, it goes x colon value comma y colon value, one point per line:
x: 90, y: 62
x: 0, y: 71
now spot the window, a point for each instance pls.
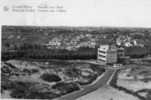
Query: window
x: 102, y: 60
x: 101, y: 55
x: 102, y: 51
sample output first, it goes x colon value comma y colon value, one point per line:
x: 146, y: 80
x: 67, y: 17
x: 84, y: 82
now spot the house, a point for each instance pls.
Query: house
x: 54, y: 42
x: 125, y: 41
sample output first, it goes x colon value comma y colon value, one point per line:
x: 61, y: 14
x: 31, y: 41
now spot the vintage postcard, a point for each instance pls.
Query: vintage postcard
x: 76, y: 49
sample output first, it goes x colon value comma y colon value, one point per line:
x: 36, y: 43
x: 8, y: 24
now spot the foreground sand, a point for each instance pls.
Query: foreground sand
x: 107, y: 93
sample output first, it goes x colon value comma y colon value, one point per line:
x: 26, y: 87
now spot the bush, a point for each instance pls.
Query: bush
x: 34, y: 70
x: 6, y: 83
x: 16, y: 93
x: 72, y: 72
x: 41, y: 95
x: 50, y: 77
x: 27, y: 71
x: 97, y: 69
x: 20, y: 89
x: 89, y: 79
x: 66, y: 87
x: 148, y: 96
x: 23, y: 90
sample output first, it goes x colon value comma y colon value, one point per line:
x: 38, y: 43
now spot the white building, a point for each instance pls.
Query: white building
x: 107, y: 54
x: 54, y: 43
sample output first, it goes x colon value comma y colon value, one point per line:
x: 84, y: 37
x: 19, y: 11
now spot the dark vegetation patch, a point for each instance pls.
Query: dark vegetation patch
x: 50, y: 77
x: 146, y: 79
x: 66, y: 87
x: 97, y: 69
x: 30, y: 71
x: 6, y: 84
x: 88, y: 80
x: 136, y: 51
x: 144, y: 90
x: 148, y: 96
x: 8, y: 70
x: 72, y: 72
x: 44, y: 53
x: 25, y: 90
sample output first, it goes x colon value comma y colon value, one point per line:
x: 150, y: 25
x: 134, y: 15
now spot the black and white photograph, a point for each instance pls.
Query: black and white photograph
x: 76, y: 50
x: 68, y: 63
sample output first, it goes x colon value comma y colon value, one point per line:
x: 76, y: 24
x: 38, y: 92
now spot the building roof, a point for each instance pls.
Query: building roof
x: 108, y: 47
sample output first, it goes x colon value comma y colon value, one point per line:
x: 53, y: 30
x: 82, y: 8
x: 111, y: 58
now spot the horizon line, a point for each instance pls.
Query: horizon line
x: 72, y: 26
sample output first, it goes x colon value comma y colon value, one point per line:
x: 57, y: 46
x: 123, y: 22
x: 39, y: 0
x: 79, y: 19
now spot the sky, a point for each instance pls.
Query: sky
x: 116, y: 13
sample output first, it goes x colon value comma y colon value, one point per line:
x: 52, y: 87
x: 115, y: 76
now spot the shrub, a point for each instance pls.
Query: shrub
x: 50, y: 77
x: 34, y: 70
x: 41, y: 95
x: 97, y: 69
x: 20, y: 89
x: 16, y: 93
x: 66, y: 87
x: 89, y: 80
x: 148, y: 96
x: 6, y: 83
x: 72, y: 72
x: 23, y: 90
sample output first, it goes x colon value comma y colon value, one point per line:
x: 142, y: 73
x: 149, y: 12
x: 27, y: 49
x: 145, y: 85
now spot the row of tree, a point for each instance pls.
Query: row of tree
x: 35, y: 51
x: 41, y: 52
